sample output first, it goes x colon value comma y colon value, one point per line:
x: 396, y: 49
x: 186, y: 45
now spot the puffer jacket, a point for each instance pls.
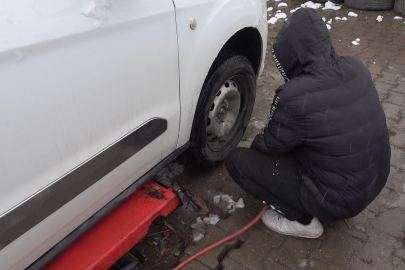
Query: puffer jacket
x: 328, y: 114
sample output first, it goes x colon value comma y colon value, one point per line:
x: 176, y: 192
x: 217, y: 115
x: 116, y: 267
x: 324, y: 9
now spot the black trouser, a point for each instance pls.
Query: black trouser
x: 272, y: 179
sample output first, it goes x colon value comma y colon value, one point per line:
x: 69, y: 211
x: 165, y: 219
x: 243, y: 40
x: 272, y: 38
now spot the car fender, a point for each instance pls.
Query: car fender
x: 216, y: 23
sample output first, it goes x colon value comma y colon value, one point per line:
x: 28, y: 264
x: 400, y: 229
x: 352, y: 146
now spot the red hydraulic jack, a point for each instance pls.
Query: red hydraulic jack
x: 120, y: 230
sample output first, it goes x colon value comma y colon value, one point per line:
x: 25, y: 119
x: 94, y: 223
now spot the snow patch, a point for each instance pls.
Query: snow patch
x: 331, y: 5
x: 302, y: 264
x: 197, y: 237
x: 172, y: 170
x: 282, y: 5
x: 328, y: 26
x: 211, y: 219
x: 311, y: 4
x: 19, y: 55
x: 340, y: 19
x: 278, y: 11
x: 270, y: 9
x: 228, y: 201
x: 380, y: 18
x: 281, y: 15
x: 358, y: 39
x: 398, y: 18
x: 272, y: 20
x: 330, y: 21
x: 324, y: 19
x: 294, y: 10
x: 355, y: 43
x: 352, y: 14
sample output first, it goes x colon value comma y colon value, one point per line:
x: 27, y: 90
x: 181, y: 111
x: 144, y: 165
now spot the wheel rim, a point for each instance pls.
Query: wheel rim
x: 223, y: 112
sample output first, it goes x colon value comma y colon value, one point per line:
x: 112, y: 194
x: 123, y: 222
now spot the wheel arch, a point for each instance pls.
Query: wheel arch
x: 247, y: 42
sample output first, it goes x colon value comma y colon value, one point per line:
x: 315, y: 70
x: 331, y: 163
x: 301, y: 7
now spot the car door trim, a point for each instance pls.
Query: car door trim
x: 36, y: 208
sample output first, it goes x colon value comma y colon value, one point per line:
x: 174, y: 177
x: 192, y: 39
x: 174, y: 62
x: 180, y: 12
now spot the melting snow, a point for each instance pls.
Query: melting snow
x: 355, y: 43
x: 302, y: 264
x: 324, y: 19
x: 282, y: 5
x: 311, y: 4
x: 281, y: 15
x: 330, y: 21
x: 341, y: 19
x: 197, y: 237
x: 352, y: 14
x: 295, y: 9
x: 380, y: 18
x: 211, y: 219
x: 270, y: 9
x: 328, y: 26
x: 357, y: 39
x: 276, y: 0
x: 330, y: 5
x: 397, y: 18
x: 228, y: 201
x: 272, y: 20
x: 278, y: 11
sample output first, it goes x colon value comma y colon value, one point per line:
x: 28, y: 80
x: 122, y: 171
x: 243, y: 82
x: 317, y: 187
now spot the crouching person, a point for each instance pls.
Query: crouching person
x: 325, y: 152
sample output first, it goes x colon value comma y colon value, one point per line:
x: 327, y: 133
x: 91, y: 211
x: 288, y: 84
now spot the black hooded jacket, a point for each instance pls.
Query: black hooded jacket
x: 329, y: 115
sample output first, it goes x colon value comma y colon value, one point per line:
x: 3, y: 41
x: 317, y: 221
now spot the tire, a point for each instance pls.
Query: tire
x: 370, y: 4
x: 400, y: 7
x: 220, y: 119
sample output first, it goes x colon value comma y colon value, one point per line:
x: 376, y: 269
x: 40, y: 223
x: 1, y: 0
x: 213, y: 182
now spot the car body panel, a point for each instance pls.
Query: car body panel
x: 73, y: 83
x: 217, y: 22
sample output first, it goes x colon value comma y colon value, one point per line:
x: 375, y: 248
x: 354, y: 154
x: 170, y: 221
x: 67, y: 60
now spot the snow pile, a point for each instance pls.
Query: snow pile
x: 331, y: 5
x: 380, y: 18
x: 211, y: 219
x: 282, y: 5
x: 97, y: 10
x: 311, y: 4
x: 270, y: 9
x: 228, y: 202
x: 294, y: 10
x: 198, y: 230
x: 352, y: 14
x: 397, y: 18
x: 172, y: 170
x: 341, y: 19
x: 272, y: 20
x: 200, y: 225
x: 281, y: 15
x: 356, y: 42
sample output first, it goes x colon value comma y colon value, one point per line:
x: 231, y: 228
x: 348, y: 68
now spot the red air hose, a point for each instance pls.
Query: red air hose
x: 223, y: 240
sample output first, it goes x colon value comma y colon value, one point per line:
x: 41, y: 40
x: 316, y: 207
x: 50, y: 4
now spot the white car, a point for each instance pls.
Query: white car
x: 98, y: 96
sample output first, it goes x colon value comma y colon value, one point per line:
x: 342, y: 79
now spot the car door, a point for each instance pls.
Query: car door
x: 89, y: 102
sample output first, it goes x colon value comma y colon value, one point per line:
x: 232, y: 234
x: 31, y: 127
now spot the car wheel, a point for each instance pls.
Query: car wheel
x: 224, y: 108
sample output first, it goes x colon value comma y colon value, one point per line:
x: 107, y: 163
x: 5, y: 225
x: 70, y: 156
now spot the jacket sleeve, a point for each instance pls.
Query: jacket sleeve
x: 281, y: 135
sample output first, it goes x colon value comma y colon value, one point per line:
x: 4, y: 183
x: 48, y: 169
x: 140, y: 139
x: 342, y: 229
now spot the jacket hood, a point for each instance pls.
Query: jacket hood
x: 303, y: 44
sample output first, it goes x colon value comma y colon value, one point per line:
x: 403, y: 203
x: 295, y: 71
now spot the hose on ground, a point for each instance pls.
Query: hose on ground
x: 226, y: 239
